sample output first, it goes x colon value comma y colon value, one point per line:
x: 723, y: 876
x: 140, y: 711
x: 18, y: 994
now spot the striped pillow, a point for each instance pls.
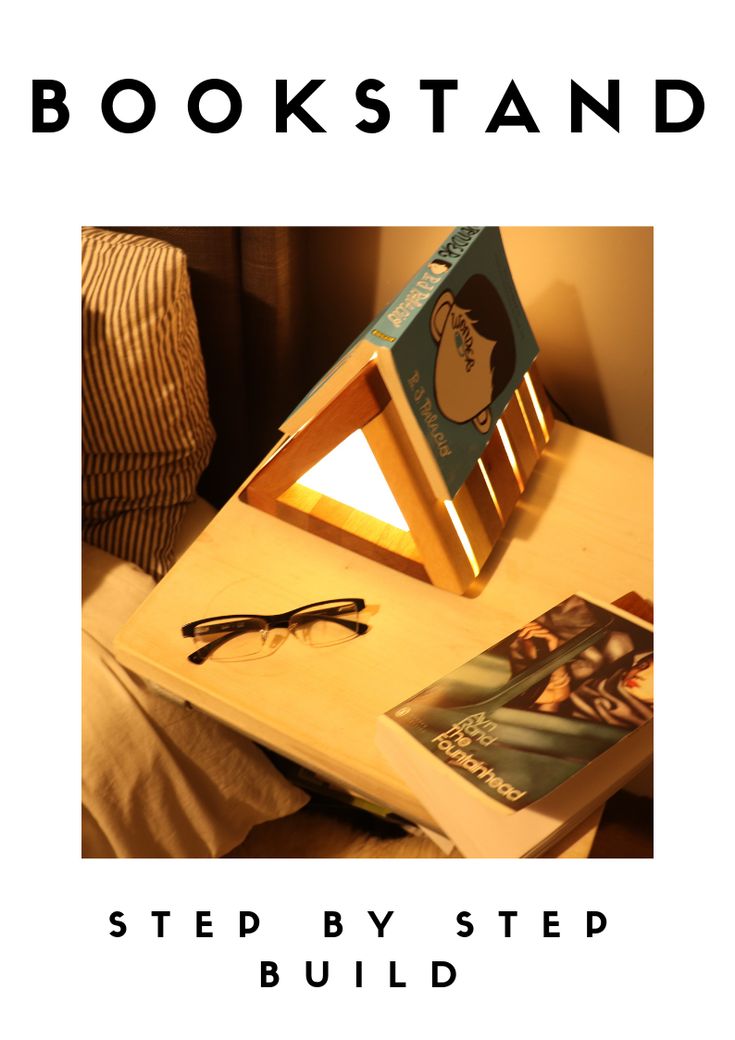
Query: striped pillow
x: 146, y: 434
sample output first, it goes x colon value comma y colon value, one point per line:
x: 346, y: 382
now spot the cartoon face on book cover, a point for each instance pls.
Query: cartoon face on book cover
x: 463, y: 344
x: 532, y: 710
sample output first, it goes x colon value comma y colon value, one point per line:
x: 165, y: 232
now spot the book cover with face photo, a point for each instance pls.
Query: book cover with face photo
x: 551, y: 719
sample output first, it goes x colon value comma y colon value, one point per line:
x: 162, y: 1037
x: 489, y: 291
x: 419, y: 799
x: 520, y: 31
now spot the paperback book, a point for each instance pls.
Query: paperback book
x: 451, y: 348
x: 514, y: 748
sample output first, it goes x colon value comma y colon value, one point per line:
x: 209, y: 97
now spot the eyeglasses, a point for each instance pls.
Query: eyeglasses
x: 242, y: 636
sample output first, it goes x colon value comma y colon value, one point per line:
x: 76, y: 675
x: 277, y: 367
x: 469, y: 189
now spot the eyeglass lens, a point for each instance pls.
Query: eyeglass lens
x: 327, y: 624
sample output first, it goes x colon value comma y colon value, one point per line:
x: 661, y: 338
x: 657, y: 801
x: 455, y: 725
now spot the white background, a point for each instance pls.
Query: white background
x: 659, y: 966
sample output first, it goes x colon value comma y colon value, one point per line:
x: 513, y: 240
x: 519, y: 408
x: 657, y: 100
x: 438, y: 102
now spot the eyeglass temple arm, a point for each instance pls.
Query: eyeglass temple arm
x: 200, y: 656
x: 354, y: 626
x: 273, y: 620
x: 190, y: 629
x: 358, y: 603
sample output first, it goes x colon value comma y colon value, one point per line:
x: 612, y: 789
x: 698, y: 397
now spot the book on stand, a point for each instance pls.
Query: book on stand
x: 451, y: 349
x: 513, y: 749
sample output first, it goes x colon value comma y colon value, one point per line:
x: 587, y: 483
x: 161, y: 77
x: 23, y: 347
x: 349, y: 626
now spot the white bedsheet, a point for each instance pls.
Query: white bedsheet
x: 158, y: 779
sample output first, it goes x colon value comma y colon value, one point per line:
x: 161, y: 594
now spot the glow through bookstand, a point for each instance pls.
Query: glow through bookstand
x: 351, y: 475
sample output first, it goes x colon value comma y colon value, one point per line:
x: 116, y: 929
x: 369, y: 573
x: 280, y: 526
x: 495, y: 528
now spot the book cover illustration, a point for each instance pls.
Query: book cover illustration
x: 532, y: 710
x: 455, y: 343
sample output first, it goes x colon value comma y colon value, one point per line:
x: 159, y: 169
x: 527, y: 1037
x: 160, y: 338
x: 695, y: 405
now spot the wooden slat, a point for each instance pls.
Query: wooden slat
x: 522, y: 442
x: 537, y: 430
x: 477, y: 485
x: 501, y: 475
x: 543, y: 399
x: 478, y: 515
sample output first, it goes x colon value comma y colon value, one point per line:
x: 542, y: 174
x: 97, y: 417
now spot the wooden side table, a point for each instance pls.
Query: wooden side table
x: 584, y: 524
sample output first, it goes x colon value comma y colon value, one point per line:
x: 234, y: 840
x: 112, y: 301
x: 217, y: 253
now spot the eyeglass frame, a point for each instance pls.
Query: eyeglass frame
x: 272, y: 621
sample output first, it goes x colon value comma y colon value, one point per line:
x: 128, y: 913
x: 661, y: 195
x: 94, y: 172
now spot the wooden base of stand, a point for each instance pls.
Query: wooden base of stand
x: 448, y: 542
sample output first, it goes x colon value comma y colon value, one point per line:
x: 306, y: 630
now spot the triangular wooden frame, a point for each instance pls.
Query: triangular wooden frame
x: 449, y: 541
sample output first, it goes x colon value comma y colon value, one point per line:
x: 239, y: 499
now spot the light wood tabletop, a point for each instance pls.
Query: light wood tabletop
x: 583, y: 524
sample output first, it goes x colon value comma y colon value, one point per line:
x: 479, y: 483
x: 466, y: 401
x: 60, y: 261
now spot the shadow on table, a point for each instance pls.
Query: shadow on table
x: 626, y: 829
x: 530, y: 507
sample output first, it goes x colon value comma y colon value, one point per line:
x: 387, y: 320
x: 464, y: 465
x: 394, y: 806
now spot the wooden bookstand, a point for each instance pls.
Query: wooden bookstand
x: 448, y: 542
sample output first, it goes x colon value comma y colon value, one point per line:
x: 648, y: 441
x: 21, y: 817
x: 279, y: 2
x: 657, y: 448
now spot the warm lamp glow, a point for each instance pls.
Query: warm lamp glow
x: 536, y: 405
x: 509, y: 452
x: 519, y: 399
x: 462, y: 535
x: 349, y: 474
x: 491, y: 489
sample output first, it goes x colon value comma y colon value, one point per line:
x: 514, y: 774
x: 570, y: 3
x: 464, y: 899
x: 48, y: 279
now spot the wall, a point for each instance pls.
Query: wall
x: 588, y: 293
